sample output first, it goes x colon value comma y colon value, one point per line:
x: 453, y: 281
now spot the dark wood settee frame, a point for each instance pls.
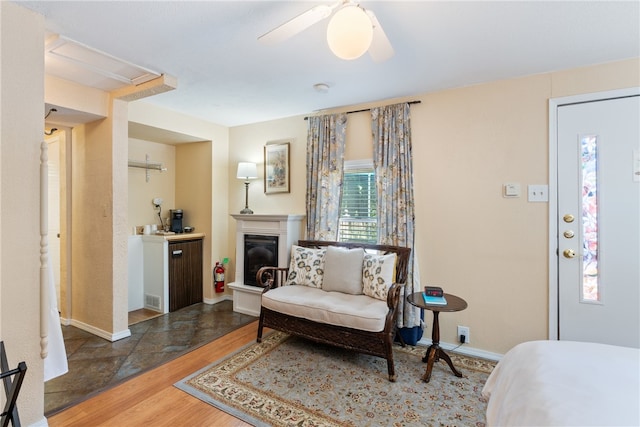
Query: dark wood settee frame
x: 373, y: 343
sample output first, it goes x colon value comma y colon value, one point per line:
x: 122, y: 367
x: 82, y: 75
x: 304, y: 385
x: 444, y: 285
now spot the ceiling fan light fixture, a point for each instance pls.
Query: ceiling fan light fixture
x: 321, y: 87
x: 350, y: 32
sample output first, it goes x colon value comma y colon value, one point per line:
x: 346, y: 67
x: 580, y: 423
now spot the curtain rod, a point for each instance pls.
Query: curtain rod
x: 369, y: 109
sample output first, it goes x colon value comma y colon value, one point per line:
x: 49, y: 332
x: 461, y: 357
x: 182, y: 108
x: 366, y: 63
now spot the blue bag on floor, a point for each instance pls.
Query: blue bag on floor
x: 411, y: 336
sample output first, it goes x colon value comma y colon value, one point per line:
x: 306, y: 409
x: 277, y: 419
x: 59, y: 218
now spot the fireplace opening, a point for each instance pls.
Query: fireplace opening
x: 258, y: 252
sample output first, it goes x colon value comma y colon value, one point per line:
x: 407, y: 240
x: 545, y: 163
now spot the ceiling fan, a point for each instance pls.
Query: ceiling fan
x: 352, y: 30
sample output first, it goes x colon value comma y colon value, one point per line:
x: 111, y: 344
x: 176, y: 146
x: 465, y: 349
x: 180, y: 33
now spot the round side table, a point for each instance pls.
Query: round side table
x: 434, y: 352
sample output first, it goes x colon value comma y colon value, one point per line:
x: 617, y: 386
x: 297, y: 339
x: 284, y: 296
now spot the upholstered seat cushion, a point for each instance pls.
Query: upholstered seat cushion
x: 334, y: 308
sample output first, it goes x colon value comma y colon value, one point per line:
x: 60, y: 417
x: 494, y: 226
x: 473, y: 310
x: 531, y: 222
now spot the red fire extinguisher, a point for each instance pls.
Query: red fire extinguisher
x: 218, y: 277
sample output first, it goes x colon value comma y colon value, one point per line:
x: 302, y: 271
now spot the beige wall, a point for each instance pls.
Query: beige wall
x: 467, y: 143
x: 161, y: 184
x: 21, y: 133
x: 471, y: 241
x: 490, y: 250
x: 64, y: 136
x: 117, y: 211
x: 210, y: 211
x: 186, y: 185
x: 610, y: 76
x: 193, y: 196
x: 99, y: 224
x: 247, y: 144
x: 76, y: 97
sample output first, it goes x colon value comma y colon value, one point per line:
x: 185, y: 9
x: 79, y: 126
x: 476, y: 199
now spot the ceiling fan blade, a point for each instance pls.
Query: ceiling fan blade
x: 297, y: 24
x: 380, y: 49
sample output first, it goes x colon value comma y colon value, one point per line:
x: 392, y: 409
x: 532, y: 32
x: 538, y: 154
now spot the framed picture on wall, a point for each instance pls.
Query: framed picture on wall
x: 276, y: 167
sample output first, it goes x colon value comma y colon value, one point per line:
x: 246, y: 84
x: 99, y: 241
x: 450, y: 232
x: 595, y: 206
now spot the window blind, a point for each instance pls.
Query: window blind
x: 358, y: 206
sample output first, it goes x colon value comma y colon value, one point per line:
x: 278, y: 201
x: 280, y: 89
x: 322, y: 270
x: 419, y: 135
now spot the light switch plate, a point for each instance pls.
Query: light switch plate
x: 511, y: 189
x: 538, y: 193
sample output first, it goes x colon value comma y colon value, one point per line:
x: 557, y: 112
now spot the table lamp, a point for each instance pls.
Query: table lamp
x: 246, y: 171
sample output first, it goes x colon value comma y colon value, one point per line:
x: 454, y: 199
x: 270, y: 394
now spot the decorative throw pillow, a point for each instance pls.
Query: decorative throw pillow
x: 343, y: 270
x: 378, y: 274
x: 306, y: 266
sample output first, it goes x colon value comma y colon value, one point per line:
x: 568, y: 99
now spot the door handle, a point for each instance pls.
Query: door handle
x: 569, y: 253
x: 177, y: 253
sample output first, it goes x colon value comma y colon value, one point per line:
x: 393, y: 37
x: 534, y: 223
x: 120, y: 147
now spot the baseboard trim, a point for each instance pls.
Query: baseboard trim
x: 223, y: 297
x: 99, y: 332
x: 464, y: 350
x: 42, y: 422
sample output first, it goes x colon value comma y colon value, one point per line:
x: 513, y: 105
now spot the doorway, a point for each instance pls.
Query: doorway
x: 58, y: 216
x: 53, y: 216
x: 594, y: 217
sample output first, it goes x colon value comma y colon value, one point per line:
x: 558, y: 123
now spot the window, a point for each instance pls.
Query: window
x: 359, y: 204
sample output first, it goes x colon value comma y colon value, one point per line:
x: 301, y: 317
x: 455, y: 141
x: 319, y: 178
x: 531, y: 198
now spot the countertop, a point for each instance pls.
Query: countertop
x: 173, y: 237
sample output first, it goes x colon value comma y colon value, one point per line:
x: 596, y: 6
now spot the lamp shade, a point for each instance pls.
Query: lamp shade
x: 247, y: 171
x: 349, y: 32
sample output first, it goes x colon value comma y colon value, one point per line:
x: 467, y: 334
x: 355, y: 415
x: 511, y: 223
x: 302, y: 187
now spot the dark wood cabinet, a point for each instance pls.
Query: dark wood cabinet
x: 185, y: 273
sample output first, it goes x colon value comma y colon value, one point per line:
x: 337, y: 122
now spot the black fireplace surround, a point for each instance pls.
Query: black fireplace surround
x: 259, y: 251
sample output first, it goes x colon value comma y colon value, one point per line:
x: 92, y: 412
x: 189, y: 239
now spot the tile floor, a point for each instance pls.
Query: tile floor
x: 96, y: 364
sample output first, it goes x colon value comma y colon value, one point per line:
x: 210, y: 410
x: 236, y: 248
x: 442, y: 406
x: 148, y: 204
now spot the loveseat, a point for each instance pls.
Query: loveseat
x: 341, y: 294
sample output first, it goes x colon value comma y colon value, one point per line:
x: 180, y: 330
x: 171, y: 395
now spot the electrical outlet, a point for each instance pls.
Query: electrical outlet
x: 538, y: 193
x: 464, y: 330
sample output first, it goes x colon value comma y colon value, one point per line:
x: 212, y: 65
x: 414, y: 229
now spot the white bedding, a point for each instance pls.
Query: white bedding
x: 565, y: 383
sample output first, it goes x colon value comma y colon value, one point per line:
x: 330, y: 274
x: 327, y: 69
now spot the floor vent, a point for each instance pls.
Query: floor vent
x: 152, y: 301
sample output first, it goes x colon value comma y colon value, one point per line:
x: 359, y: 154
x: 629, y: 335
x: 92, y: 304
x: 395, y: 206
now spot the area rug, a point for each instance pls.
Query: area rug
x: 289, y: 381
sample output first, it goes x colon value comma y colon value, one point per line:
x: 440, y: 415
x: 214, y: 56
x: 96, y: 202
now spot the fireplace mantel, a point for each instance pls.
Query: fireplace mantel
x: 246, y: 299
x: 268, y: 217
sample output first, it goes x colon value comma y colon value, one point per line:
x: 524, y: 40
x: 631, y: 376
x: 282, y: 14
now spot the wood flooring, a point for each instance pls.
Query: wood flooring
x: 150, y: 399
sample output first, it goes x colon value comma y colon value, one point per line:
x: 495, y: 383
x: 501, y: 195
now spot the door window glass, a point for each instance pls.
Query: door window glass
x: 589, y: 150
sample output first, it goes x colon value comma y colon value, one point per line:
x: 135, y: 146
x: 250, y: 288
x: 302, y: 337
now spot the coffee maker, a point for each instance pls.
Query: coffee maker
x: 176, y: 220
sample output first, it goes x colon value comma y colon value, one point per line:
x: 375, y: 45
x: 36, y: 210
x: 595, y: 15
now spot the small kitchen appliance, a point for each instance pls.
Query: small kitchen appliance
x: 176, y: 220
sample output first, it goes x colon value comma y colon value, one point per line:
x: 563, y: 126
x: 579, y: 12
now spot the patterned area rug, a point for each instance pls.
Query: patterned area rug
x: 289, y: 381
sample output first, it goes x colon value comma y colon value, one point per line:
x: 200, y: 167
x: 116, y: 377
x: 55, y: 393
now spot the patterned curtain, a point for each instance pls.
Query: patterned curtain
x: 325, y: 163
x: 393, y: 168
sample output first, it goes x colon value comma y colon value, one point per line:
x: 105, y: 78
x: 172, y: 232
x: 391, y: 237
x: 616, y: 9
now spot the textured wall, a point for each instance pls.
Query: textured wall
x: 467, y: 143
x: 216, y: 202
x: 99, y: 228
x: 161, y: 184
x: 21, y: 133
x: 193, y: 196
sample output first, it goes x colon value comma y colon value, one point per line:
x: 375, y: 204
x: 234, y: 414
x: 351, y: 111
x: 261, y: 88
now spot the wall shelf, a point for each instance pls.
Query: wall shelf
x: 147, y: 165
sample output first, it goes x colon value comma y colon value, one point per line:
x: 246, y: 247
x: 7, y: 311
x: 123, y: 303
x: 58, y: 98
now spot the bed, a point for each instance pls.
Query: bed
x: 565, y: 383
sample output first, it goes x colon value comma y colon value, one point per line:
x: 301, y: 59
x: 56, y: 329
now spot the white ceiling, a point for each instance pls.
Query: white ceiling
x: 225, y: 76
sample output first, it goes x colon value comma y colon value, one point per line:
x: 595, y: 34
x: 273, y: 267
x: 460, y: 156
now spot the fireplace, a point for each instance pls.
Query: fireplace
x: 258, y: 252
x: 260, y: 240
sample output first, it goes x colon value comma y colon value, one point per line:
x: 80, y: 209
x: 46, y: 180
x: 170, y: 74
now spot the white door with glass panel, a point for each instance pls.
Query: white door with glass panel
x: 599, y: 221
